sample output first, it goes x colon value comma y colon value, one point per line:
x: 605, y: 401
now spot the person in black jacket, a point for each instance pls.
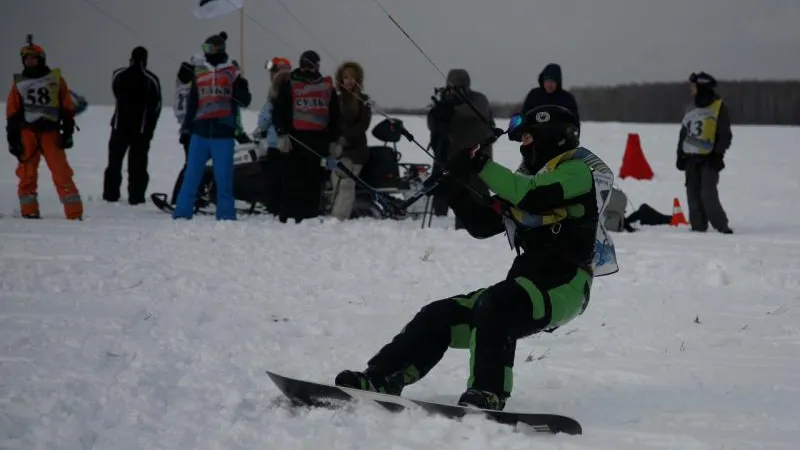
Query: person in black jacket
x: 138, y: 95
x: 550, y: 92
x: 306, y: 118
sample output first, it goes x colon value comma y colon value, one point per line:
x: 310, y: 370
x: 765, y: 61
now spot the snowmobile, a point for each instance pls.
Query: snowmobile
x: 382, y: 173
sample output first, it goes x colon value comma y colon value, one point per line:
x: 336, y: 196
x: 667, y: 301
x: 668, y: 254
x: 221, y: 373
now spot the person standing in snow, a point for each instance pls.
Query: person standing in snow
x: 306, y: 116
x: 40, y: 122
x: 279, y: 69
x: 551, y: 92
x: 183, y: 85
x: 550, y: 211
x: 218, y: 90
x: 356, y: 116
x: 138, y: 107
x: 704, y: 138
x: 455, y: 125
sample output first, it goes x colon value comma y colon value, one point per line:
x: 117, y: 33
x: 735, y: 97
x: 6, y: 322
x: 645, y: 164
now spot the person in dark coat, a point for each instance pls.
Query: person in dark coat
x: 455, y: 126
x: 138, y: 107
x: 550, y: 92
x: 704, y: 138
x: 306, y: 118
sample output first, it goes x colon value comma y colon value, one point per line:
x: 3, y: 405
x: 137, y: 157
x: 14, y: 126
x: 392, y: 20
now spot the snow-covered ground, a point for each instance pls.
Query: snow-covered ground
x: 131, y: 331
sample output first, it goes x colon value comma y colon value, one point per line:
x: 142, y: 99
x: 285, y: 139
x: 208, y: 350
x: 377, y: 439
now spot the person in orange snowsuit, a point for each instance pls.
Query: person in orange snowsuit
x: 40, y: 121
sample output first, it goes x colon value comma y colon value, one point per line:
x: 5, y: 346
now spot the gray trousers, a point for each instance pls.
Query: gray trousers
x: 703, y: 197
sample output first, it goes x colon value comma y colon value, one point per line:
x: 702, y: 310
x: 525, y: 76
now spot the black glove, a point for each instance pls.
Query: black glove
x: 15, y: 150
x: 466, y: 161
x: 715, y: 162
x: 185, y: 139
x: 14, y: 137
x: 67, y: 130
x: 65, y: 141
x: 680, y: 163
x: 243, y: 138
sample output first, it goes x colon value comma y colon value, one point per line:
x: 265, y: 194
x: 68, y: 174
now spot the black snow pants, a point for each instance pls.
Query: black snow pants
x: 302, y: 182
x: 273, y: 167
x: 488, y: 322
x: 137, y: 146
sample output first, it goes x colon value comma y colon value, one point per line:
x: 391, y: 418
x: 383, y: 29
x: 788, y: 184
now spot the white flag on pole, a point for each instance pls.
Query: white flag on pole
x: 210, y: 9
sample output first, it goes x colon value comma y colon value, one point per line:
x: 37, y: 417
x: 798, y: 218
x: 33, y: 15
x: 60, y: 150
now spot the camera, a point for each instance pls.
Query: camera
x: 439, y: 94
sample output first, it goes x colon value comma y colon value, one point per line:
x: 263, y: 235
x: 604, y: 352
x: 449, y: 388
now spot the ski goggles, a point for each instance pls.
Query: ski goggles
x: 515, y: 127
x: 211, y: 49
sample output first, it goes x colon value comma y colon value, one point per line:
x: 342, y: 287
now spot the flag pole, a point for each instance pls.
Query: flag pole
x: 241, y: 38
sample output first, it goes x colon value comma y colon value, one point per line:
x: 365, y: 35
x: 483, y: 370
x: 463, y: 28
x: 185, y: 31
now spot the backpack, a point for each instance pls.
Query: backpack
x: 614, y: 219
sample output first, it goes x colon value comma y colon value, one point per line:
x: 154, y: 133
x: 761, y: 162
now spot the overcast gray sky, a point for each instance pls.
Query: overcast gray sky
x: 502, y: 43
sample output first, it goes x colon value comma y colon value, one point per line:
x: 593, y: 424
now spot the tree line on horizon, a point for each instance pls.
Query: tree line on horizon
x: 749, y: 102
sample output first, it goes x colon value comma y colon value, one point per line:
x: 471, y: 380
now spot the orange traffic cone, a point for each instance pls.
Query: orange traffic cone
x: 677, y: 214
x: 634, y: 164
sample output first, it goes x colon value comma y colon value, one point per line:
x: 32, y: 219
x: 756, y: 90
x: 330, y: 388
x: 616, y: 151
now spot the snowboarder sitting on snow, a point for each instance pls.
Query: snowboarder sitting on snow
x: 551, y: 218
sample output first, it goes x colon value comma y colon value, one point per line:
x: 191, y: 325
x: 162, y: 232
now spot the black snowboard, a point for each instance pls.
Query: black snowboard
x: 309, y: 393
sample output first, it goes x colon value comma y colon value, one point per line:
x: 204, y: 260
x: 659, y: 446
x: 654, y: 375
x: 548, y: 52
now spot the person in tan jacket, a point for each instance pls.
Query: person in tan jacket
x: 355, y: 118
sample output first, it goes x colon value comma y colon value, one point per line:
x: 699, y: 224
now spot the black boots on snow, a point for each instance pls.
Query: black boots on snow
x: 482, y: 399
x: 368, y: 381
x: 393, y: 385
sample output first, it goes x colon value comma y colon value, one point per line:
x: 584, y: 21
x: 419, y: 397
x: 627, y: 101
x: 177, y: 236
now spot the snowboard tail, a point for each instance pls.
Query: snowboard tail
x: 308, y: 393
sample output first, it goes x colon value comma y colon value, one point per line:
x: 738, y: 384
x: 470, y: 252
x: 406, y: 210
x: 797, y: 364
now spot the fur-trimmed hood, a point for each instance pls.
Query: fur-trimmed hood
x: 356, y: 67
x: 280, y: 78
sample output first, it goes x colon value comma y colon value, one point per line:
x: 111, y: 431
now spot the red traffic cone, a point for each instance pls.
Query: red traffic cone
x: 634, y: 164
x: 677, y: 214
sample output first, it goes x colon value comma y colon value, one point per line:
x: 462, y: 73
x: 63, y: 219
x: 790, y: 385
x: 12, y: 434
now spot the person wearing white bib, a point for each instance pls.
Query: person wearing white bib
x: 704, y: 139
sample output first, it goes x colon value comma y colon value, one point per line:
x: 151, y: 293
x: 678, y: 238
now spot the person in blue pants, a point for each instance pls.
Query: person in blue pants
x: 218, y: 91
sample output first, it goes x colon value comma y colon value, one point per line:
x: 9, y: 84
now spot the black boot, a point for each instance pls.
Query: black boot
x: 367, y: 381
x: 482, y: 399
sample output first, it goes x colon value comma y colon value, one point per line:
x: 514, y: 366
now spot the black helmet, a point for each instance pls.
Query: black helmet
x: 554, y: 129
